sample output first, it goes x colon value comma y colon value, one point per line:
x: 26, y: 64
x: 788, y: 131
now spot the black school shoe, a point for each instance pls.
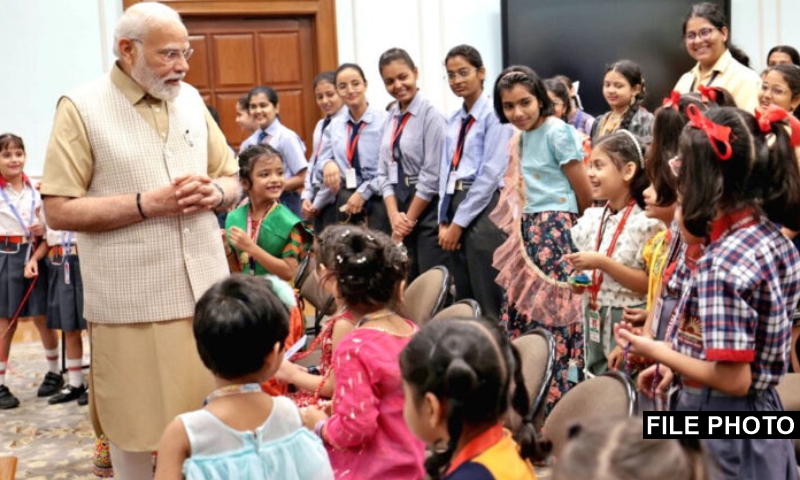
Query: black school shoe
x: 7, y: 399
x: 52, y: 384
x: 68, y: 394
x: 83, y: 400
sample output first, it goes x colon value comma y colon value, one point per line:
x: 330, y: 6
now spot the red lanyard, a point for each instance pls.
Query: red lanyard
x: 398, y: 129
x: 462, y: 139
x: 352, y: 142
x: 597, y: 280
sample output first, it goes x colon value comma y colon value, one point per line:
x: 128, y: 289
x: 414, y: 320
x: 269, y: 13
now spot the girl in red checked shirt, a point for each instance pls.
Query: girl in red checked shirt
x: 731, y: 346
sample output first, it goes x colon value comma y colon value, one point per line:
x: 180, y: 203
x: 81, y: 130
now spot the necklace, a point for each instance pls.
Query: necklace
x: 377, y: 315
x: 229, y: 390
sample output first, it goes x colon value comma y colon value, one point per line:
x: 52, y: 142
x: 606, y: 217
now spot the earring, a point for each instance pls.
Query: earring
x: 440, y: 446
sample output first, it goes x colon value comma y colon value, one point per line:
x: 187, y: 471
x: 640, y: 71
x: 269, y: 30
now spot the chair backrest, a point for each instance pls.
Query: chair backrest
x: 609, y: 396
x: 8, y: 467
x: 537, y: 350
x: 426, y: 294
x: 311, y: 290
x: 467, y: 308
x: 789, y: 391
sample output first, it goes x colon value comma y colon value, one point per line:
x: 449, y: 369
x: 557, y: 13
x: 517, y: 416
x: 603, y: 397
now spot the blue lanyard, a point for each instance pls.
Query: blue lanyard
x: 25, y: 228
x: 14, y: 210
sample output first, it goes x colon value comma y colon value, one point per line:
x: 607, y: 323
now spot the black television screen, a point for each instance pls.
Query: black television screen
x: 581, y: 38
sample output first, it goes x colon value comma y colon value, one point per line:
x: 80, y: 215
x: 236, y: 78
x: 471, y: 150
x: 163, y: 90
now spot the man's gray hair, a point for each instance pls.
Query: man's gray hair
x: 139, y: 18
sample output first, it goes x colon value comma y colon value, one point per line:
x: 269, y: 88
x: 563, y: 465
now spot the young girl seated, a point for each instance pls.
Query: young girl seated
x: 365, y: 435
x: 457, y: 377
x: 240, y: 325
x: 732, y: 336
x: 611, y: 241
x: 316, y: 389
x: 614, y: 449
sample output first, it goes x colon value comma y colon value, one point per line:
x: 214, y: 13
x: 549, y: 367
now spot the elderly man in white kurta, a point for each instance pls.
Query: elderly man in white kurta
x: 137, y: 166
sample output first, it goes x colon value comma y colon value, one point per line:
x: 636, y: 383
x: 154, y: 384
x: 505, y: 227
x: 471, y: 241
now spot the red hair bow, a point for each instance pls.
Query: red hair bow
x: 774, y: 114
x: 716, y: 133
x: 707, y: 93
x: 672, y: 101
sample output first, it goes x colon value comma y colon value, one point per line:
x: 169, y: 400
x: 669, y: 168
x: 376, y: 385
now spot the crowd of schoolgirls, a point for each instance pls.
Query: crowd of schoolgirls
x: 656, y: 243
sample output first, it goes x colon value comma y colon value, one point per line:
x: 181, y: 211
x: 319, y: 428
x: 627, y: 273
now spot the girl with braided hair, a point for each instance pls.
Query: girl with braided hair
x: 457, y: 377
x: 624, y: 91
x: 365, y: 434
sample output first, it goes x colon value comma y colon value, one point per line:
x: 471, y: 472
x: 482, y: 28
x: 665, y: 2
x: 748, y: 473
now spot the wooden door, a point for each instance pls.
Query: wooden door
x: 240, y: 44
x: 234, y: 55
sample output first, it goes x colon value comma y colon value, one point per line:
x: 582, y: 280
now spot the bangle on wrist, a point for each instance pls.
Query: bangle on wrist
x: 221, y: 192
x: 318, y: 428
x: 139, y: 205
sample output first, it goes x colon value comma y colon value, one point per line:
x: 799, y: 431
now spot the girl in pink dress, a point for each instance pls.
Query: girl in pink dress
x: 366, y: 436
x: 317, y: 389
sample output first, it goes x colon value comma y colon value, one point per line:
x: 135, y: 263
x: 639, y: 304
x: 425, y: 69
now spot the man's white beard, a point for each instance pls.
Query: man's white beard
x: 152, y: 83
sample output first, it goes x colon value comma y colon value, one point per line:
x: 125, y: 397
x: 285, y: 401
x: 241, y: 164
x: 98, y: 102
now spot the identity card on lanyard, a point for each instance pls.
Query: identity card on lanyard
x: 595, y: 320
x: 397, y: 132
x: 25, y: 228
x: 66, y: 244
x: 457, y: 153
x: 350, y: 179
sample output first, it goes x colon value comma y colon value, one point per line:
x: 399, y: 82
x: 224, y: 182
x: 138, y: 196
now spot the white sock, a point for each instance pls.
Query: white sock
x: 3, y: 366
x: 131, y: 465
x: 52, y: 360
x: 75, y: 371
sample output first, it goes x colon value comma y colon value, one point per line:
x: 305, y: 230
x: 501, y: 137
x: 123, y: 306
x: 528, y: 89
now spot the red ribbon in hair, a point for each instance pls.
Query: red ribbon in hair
x: 716, y: 133
x: 774, y: 114
x: 707, y: 93
x: 672, y: 101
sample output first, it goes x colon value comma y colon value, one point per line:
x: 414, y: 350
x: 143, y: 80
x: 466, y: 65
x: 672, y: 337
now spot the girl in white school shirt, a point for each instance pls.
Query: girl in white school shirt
x: 350, y: 154
x: 330, y: 104
x: 408, y: 166
x: 471, y: 173
x: 20, y: 229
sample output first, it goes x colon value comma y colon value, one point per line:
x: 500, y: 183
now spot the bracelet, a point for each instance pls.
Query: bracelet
x: 139, y: 204
x: 318, y: 428
x: 221, y: 192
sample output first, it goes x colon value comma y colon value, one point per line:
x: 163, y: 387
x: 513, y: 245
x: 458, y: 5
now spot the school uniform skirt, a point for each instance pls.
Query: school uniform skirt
x: 14, y: 285
x: 747, y: 458
x: 64, y: 300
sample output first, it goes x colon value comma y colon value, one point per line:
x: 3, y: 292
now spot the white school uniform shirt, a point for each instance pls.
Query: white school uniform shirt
x: 9, y: 226
x: 628, y: 251
x: 314, y: 176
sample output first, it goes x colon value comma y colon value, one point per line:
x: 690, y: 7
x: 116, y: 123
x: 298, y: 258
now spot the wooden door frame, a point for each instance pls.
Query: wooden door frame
x: 322, y: 12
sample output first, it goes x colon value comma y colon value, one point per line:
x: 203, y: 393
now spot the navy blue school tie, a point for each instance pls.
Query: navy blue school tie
x: 448, y: 197
x: 355, y: 162
x: 401, y: 189
x: 261, y: 136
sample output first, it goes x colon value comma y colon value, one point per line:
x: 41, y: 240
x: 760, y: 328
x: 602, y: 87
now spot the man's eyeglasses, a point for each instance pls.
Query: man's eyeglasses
x: 703, y: 34
x: 171, y: 55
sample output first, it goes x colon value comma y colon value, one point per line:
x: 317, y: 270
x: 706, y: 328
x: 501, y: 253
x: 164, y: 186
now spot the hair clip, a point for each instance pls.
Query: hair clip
x: 775, y: 114
x: 360, y: 260
x: 672, y: 101
x: 675, y: 165
x: 716, y: 133
x: 514, y: 72
x: 370, y: 238
x: 708, y: 93
x: 339, y: 259
x: 637, y: 144
x: 346, y: 233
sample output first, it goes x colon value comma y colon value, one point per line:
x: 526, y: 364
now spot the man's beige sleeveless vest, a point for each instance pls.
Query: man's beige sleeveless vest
x: 157, y: 269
